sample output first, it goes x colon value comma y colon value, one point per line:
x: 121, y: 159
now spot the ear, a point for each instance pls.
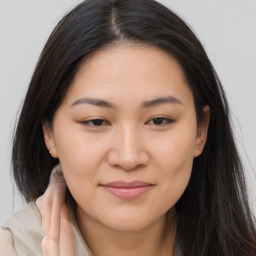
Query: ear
x: 49, y: 139
x: 202, y: 130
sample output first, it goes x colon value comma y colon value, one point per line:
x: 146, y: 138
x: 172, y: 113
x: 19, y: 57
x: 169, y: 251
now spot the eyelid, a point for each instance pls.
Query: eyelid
x: 87, y: 122
x: 168, y: 120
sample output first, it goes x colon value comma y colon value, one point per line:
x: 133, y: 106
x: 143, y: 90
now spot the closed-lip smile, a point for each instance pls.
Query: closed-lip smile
x: 127, y: 190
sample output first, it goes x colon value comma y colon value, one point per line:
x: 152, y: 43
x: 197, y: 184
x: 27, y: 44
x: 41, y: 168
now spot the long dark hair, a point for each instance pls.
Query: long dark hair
x: 214, y: 214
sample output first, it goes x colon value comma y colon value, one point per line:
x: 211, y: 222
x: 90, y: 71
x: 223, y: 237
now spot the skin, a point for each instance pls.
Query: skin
x: 130, y: 144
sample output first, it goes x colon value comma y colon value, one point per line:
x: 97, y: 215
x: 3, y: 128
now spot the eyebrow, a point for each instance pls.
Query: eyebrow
x: 161, y: 100
x: 145, y: 104
x: 95, y: 102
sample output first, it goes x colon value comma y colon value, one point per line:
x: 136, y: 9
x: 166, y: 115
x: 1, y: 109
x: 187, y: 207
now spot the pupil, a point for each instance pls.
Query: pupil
x: 158, y: 120
x: 97, y: 122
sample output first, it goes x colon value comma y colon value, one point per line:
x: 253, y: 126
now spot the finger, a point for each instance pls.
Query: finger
x: 49, y: 247
x: 66, y: 234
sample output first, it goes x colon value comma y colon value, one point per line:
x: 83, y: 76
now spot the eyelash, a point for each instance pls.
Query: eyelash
x: 87, y: 123
x: 164, y: 119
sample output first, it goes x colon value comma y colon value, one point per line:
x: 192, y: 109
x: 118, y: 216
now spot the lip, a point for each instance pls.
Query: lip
x: 127, y: 190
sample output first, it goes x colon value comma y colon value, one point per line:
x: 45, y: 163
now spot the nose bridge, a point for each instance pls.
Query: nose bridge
x: 127, y: 150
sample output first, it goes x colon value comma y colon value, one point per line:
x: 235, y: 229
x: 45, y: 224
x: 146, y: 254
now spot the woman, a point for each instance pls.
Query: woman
x: 126, y: 112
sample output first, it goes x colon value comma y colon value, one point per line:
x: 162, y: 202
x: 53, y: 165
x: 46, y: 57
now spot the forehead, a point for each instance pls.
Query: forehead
x: 131, y: 60
x: 123, y: 71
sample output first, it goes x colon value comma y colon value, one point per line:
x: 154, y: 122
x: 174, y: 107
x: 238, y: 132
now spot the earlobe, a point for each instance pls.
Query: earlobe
x: 202, y: 131
x: 49, y: 139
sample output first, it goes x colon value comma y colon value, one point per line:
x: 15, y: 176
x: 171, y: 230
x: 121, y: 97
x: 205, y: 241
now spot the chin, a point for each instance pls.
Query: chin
x: 131, y: 226
x: 128, y: 223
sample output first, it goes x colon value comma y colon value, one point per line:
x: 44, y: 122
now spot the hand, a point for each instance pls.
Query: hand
x: 58, y: 240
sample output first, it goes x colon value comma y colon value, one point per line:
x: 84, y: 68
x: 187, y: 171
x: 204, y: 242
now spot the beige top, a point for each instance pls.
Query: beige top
x: 23, y: 233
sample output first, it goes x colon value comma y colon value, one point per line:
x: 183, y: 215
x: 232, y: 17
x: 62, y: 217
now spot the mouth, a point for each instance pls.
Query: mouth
x: 127, y: 190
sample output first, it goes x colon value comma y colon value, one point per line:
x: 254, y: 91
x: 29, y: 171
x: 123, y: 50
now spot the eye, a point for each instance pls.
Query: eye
x: 160, y: 121
x: 95, y: 122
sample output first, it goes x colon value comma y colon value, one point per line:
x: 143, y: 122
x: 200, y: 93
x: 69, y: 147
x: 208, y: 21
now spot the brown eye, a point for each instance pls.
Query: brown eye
x: 160, y: 121
x: 97, y: 122
x: 94, y: 122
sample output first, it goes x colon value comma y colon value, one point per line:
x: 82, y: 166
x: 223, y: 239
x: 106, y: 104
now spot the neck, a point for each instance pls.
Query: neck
x: 153, y: 240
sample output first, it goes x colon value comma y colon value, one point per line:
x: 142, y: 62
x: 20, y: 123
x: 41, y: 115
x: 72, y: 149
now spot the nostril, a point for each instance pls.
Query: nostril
x: 128, y: 162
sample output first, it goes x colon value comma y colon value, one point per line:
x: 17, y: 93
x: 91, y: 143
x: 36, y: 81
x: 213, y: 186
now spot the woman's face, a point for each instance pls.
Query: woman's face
x: 126, y: 135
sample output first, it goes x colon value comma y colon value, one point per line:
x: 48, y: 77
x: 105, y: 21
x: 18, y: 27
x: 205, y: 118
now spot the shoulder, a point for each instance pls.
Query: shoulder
x: 23, y: 234
x: 27, y: 218
x: 6, y: 243
x: 24, y: 231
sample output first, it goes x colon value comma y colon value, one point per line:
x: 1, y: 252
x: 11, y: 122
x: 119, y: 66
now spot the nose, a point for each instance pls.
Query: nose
x: 127, y: 151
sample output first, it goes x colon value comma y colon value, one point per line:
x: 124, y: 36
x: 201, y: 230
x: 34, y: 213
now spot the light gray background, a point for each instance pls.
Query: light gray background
x: 226, y: 28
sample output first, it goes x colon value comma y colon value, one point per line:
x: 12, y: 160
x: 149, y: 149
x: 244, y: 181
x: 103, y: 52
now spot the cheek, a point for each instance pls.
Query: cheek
x: 175, y: 151
x: 80, y: 163
x: 174, y: 160
x: 80, y: 158
x: 76, y: 149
